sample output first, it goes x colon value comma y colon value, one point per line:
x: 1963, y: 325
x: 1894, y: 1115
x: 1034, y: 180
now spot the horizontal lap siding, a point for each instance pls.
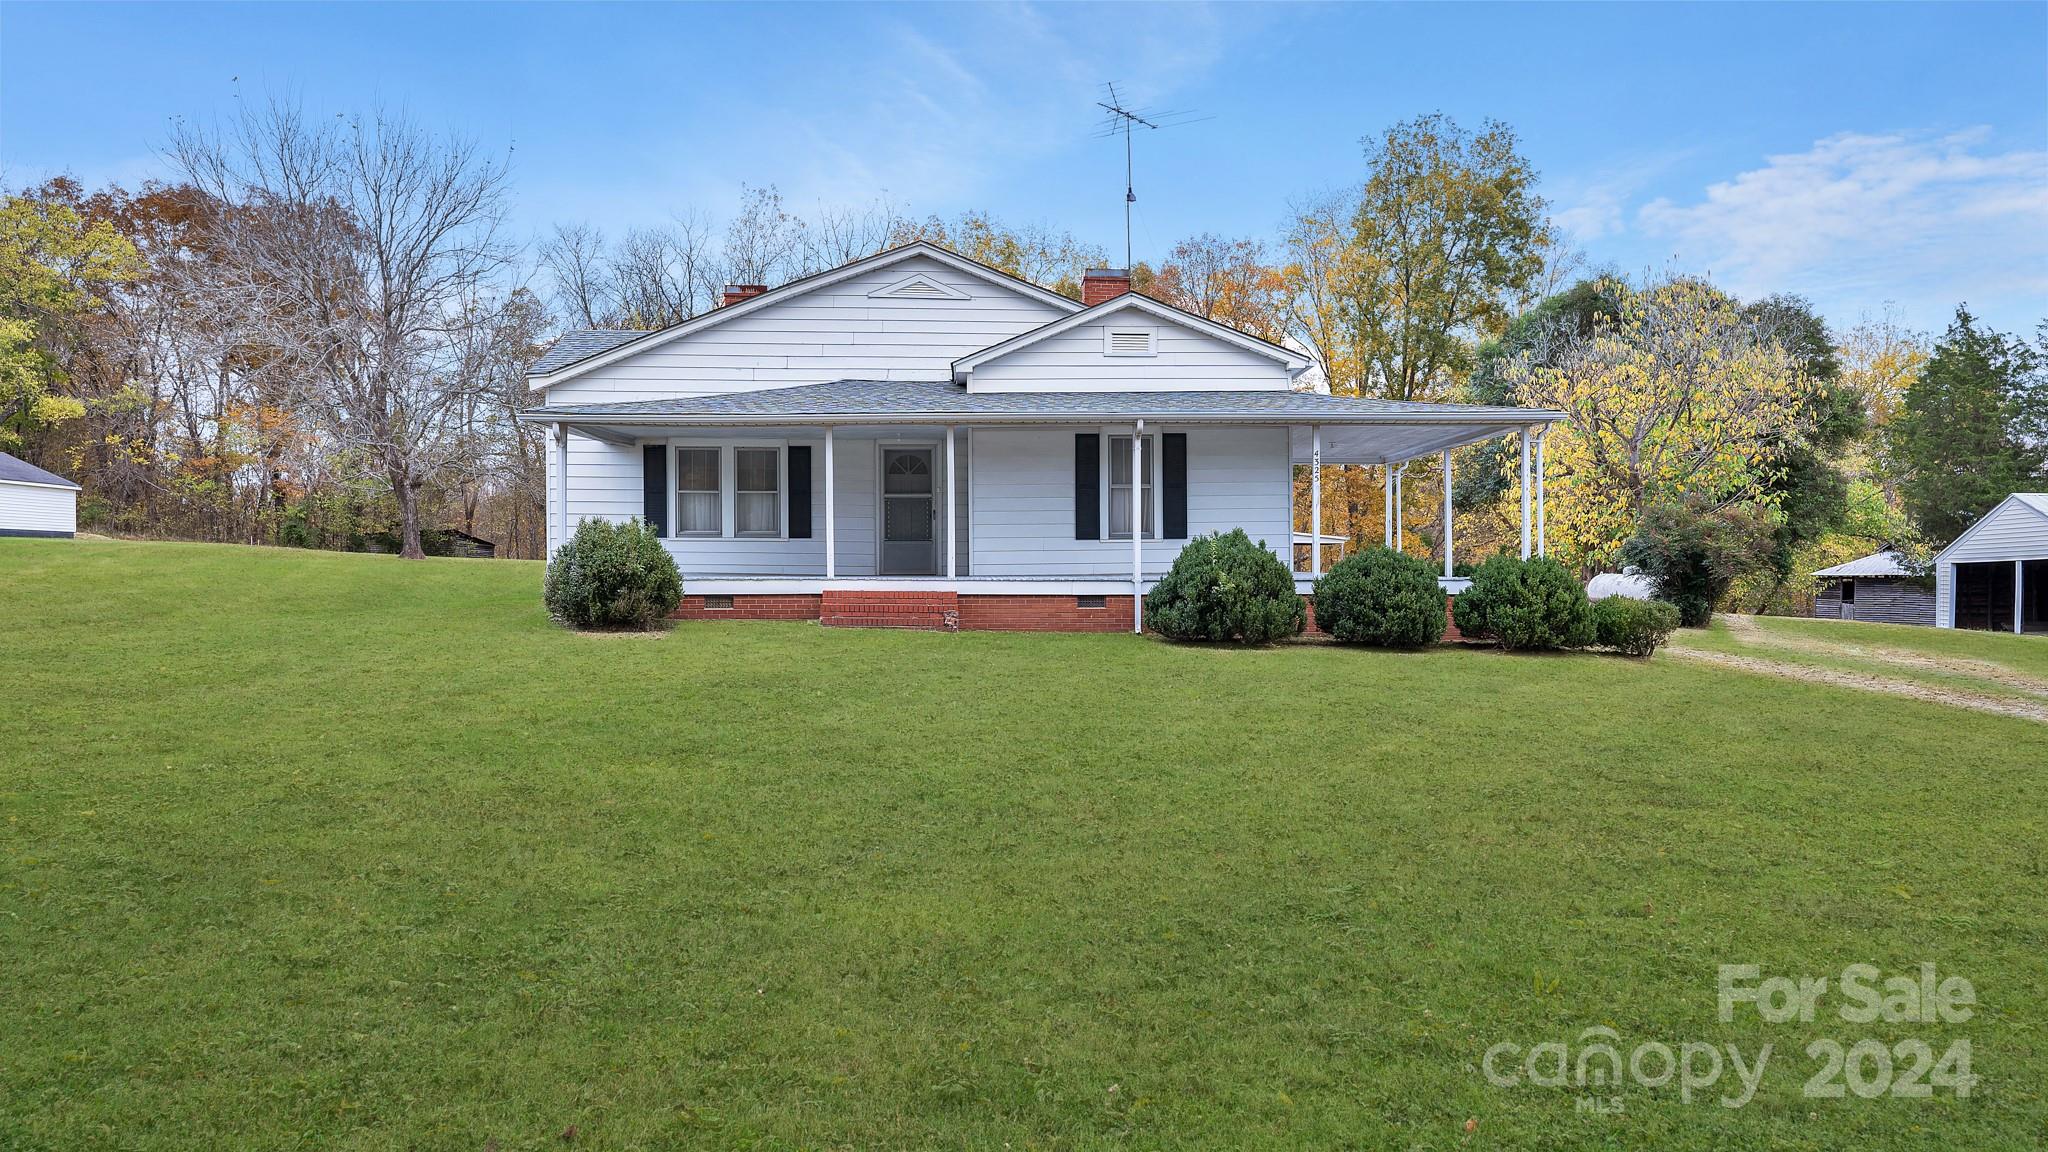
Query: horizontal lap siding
x: 1878, y: 601
x: 2012, y: 531
x: 1023, y: 500
x: 37, y: 508
x: 1073, y: 361
x: 832, y: 333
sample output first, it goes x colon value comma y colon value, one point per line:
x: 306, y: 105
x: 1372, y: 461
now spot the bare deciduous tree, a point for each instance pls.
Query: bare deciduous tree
x: 359, y: 251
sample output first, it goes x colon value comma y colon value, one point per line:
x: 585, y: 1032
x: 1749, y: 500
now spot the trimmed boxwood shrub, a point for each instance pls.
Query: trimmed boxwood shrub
x: 613, y: 576
x: 1226, y: 587
x: 1380, y: 596
x: 1534, y: 603
x: 1633, y: 627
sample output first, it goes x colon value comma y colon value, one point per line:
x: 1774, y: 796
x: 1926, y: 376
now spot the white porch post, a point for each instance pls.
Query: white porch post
x: 1387, y: 502
x: 1401, y: 507
x: 952, y: 510
x: 1525, y: 493
x: 1447, y: 513
x: 2019, y: 599
x: 831, y: 520
x: 1138, y: 528
x: 1542, y: 441
x: 562, y: 481
x: 1315, y: 500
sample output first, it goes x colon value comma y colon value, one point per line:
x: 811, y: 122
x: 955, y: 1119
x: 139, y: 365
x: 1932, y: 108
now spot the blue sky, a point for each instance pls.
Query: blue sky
x: 1859, y: 154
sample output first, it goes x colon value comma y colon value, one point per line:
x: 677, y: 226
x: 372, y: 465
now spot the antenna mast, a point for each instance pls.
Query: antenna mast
x: 1121, y: 121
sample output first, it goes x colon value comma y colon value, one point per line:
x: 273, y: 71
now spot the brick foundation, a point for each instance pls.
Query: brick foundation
x: 1044, y: 614
x: 750, y: 608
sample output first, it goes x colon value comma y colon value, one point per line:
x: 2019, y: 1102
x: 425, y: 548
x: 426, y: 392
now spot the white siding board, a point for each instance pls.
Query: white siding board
x: 1022, y: 497
x: 37, y: 508
x: 833, y: 333
x: 1074, y: 361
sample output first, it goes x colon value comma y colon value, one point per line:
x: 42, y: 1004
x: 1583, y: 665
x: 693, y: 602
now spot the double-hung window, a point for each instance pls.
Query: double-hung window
x: 700, y: 503
x: 757, y: 488
x: 1120, y: 487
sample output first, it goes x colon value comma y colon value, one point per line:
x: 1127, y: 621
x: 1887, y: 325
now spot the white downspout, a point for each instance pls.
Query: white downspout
x: 1315, y: 501
x: 831, y: 520
x: 1542, y: 467
x: 1138, y: 528
x: 1387, y: 502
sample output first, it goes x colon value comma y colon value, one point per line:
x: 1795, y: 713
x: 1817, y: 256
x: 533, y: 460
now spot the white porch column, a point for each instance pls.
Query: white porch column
x: 1542, y: 441
x: 952, y: 510
x: 1447, y: 513
x: 1525, y: 493
x: 1315, y: 502
x: 1138, y: 527
x: 1387, y: 503
x: 831, y: 520
x: 2019, y: 598
x: 1401, y: 507
x: 562, y: 481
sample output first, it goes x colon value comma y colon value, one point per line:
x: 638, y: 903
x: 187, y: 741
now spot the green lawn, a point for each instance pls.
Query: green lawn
x: 301, y: 850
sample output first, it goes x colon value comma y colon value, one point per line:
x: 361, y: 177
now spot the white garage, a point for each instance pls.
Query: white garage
x: 34, y: 502
x: 1995, y: 576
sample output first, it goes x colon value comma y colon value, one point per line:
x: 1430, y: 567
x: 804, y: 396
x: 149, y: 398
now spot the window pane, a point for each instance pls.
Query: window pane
x: 756, y: 468
x: 697, y: 512
x: 697, y: 469
x: 1120, y: 488
x: 756, y: 512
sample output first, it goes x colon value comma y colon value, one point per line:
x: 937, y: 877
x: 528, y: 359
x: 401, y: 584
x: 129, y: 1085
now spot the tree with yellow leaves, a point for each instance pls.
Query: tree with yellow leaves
x: 1677, y: 394
x: 53, y: 266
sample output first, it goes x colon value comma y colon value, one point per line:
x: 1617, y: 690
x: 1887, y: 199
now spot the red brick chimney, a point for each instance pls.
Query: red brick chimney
x: 1100, y: 284
x: 734, y: 293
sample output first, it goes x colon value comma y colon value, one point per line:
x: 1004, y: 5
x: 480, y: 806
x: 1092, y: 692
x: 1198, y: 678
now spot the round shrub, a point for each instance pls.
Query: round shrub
x: 1534, y: 603
x: 1226, y: 587
x: 1380, y: 596
x: 613, y: 576
x: 1633, y: 627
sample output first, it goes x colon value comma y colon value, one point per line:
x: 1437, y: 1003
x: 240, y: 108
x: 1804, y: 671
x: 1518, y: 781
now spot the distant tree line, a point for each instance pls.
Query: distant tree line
x: 317, y: 335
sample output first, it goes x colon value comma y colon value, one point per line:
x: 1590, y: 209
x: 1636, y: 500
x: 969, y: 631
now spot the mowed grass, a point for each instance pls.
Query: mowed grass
x: 302, y: 850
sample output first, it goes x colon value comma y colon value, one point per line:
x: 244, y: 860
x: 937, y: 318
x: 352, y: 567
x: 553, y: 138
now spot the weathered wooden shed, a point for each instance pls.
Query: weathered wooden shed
x: 1880, y: 587
x: 1995, y: 576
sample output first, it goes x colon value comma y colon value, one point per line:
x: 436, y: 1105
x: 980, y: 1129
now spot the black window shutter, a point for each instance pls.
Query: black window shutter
x: 654, y: 477
x: 1087, y: 486
x: 800, y: 492
x: 1173, y: 460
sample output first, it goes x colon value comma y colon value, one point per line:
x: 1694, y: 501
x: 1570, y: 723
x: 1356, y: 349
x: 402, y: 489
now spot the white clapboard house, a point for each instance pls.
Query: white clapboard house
x: 917, y: 439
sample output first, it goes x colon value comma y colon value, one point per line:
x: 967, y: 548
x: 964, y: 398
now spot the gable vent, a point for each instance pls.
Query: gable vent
x: 1128, y: 342
x: 918, y: 287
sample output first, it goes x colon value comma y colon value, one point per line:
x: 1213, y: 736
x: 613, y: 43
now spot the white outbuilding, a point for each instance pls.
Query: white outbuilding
x: 34, y: 502
x: 1995, y: 576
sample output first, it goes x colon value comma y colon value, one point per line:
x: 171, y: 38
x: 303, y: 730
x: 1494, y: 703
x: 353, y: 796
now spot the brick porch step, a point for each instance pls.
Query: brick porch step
x: 930, y: 611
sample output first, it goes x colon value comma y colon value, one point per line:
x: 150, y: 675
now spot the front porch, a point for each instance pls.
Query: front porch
x: 1019, y: 510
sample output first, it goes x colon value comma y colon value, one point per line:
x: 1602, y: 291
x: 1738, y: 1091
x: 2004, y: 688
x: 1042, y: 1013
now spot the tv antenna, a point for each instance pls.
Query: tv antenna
x: 1122, y: 120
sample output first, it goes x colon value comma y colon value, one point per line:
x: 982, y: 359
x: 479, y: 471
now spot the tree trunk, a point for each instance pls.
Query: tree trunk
x: 408, y: 494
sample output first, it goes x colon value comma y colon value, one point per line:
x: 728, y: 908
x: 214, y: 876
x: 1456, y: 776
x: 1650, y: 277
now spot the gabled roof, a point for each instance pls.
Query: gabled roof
x: 605, y: 351
x: 1131, y: 301
x: 1875, y: 564
x: 17, y: 471
x: 2029, y: 502
x: 581, y: 345
x: 908, y: 401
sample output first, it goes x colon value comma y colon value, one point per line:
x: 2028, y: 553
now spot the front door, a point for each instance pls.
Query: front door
x: 909, y: 513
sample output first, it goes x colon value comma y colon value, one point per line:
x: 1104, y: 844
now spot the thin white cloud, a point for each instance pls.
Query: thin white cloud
x: 1859, y: 219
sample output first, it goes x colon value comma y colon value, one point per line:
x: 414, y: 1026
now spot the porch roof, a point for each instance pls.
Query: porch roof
x: 1355, y: 429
